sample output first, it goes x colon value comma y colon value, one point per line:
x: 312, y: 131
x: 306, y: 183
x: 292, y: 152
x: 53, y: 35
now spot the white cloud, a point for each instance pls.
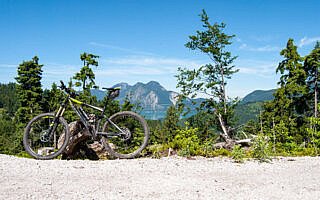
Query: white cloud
x: 54, y: 69
x: 144, y: 65
x: 267, y: 48
x: 107, y: 46
x: 257, y: 67
x: 264, y: 38
x: 307, y: 41
x: 9, y: 65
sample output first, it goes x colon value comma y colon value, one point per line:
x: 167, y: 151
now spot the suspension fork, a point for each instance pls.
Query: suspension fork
x: 53, y: 124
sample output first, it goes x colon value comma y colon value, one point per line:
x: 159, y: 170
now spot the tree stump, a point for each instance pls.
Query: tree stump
x: 80, y: 146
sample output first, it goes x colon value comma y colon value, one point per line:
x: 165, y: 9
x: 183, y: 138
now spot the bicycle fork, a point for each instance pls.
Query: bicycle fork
x: 52, y: 128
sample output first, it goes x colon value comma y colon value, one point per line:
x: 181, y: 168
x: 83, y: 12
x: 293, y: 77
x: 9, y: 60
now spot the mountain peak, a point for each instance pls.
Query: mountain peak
x: 258, y: 95
x: 155, y: 85
x: 122, y: 85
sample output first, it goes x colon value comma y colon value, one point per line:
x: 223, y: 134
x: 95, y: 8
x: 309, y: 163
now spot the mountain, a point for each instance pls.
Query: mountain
x: 152, y: 97
x: 258, y: 96
x: 250, y: 106
x: 154, y: 100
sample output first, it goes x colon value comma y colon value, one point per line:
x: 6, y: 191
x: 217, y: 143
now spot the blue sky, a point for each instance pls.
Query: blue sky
x: 143, y: 40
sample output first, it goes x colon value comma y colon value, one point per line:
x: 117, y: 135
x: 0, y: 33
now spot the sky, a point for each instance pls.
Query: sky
x: 143, y: 40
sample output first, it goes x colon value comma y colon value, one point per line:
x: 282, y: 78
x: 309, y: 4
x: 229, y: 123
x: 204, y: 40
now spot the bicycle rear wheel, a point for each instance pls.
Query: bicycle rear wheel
x: 131, y: 140
x: 45, y: 139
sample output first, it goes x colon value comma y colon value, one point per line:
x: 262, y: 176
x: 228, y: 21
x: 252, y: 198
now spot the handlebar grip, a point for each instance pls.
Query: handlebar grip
x: 68, y: 90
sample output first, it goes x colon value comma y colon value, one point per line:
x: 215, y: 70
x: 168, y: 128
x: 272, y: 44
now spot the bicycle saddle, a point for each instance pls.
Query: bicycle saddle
x: 111, y: 89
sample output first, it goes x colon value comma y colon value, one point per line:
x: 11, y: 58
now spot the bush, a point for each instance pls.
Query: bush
x: 238, y: 154
x: 221, y: 152
x: 261, y: 149
x: 156, y: 150
x: 186, y: 141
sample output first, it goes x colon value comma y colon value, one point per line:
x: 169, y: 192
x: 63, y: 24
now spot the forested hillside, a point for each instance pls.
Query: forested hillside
x: 8, y: 98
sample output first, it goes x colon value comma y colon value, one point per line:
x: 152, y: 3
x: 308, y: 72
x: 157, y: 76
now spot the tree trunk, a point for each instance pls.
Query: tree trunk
x: 223, y: 90
x: 225, y: 134
x: 316, y: 95
x: 78, y: 147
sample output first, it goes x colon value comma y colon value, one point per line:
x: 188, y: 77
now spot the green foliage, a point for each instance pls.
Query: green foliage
x: 52, y: 98
x: 247, y: 112
x: 220, y: 152
x: 157, y: 150
x: 238, y: 154
x: 285, y: 115
x: 312, y: 67
x: 156, y: 133
x: 86, y: 78
x: 205, y: 122
x: 29, y: 89
x: 8, y: 98
x: 170, y: 124
x: 211, y: 79
x: 314, y: 133
x: 261, y: 149
x: 10, y: 134
x: 186, y: 141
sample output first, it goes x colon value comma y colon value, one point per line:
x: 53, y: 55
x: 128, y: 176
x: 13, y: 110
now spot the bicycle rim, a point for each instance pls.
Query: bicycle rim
x: 132, y: 138
x: 42, y: 144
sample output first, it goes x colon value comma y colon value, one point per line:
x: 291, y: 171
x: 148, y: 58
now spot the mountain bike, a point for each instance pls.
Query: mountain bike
x: 124, y: 135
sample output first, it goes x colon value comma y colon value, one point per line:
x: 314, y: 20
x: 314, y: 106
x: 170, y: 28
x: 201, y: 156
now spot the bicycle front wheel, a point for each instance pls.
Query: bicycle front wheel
x: 45, y: 139
x: 127, y: 134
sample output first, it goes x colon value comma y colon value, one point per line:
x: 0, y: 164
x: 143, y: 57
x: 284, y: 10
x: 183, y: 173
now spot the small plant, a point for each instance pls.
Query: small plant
x: 186, y: 141
x: 261, y: 149
x: 157, y: 150
x: 314, y: 133
x: 221, y: 152
x: 238, y: 154
x: 206, y: 149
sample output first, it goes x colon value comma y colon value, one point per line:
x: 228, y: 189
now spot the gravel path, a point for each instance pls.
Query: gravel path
x: 166, y: 178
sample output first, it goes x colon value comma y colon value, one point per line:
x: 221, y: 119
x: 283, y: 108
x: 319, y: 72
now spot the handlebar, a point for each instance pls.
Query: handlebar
x: 67, y: 90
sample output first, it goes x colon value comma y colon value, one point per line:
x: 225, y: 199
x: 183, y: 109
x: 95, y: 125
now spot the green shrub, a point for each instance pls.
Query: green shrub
x: 305, y: 152
x: 261, y: 149
x: 157, y: 150
x: 206, y: 149
x: 221, y: 152
x: 238, y: 154
x: 186, y: 142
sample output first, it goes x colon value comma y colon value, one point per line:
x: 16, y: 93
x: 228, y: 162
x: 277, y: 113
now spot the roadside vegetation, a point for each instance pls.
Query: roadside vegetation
x: 288, y: 125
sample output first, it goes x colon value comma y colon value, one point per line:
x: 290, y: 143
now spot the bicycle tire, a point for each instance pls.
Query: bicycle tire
x: 33, y: 133
x: 137, y: 129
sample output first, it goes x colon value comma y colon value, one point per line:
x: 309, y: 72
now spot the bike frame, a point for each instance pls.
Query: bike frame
x: 84, y: 117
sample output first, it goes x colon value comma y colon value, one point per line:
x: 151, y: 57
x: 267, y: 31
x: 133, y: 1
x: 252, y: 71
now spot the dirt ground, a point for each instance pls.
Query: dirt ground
x: 166, y: 178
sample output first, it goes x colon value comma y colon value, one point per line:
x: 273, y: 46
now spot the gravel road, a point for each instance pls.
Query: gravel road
x: 166, y: 178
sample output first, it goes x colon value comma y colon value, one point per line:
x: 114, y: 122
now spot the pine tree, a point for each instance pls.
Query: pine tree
x: 170, y: 124
x: 52, y: 98
x: 312, y: 67
x: 29, y: 89
x: 288, y: 107
x: 8, y: 98
x: 86, y: 78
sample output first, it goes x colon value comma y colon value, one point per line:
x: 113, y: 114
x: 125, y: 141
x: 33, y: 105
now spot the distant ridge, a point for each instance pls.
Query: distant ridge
x: 258, y: 96
x: 155, y: 100
x: 152, y: 97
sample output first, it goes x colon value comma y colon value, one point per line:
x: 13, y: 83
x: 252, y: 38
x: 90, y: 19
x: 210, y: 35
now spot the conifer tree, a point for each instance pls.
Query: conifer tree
x: 170, y: 124
x: 29, y: 89
x: 288, y: 106
x: 86, y: 78
x: 312, y: 67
